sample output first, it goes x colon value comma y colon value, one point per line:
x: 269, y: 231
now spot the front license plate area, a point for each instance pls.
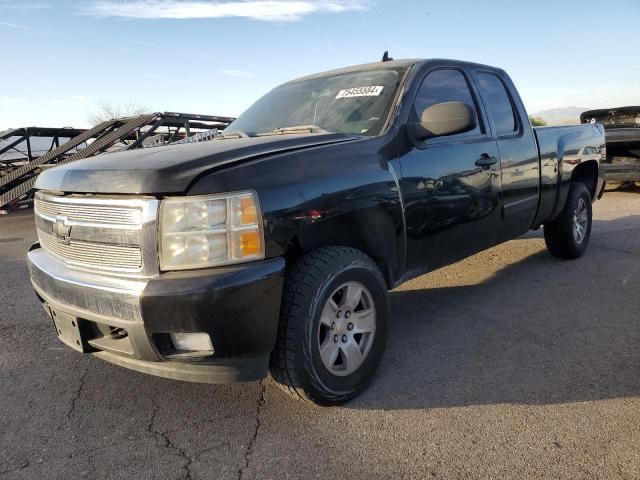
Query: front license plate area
x: 68, y: 330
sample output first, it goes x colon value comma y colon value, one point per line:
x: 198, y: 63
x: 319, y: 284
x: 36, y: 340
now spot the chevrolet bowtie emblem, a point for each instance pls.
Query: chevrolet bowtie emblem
x: 61, y: 228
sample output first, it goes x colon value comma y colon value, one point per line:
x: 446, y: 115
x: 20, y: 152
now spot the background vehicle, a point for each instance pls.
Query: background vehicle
x: 273, y: 246
x: 622, y: 132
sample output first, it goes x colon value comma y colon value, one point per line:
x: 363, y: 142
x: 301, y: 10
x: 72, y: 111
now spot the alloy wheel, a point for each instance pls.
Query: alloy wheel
x: 347, y: 328
x: 580, y: 220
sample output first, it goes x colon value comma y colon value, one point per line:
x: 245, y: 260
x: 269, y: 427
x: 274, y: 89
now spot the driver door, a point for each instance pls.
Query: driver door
x: 451, y: 184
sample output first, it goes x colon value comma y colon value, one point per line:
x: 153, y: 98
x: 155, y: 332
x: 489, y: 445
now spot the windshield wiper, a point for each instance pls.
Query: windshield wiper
x: 297, y: 129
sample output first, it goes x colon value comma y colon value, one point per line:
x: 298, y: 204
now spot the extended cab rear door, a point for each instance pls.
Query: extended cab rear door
x: 451, y: 184
x: 519, y: 162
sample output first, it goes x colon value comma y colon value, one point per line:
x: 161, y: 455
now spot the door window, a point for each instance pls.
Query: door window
x: 446, y: 85
x: 498, y: 103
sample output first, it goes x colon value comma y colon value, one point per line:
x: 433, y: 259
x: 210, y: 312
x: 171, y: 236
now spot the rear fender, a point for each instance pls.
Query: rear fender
x: 578, y: 160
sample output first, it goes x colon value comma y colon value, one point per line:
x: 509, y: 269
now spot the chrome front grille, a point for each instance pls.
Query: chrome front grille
x: 89, y: 213
x: 113, y: 234
x: 96, y: 255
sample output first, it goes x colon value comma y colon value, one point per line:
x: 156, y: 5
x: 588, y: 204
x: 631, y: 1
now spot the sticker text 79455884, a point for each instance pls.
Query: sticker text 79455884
x: 372, y: 91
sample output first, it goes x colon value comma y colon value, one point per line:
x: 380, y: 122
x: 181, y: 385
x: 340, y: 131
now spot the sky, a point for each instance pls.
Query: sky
x: 61, y: 58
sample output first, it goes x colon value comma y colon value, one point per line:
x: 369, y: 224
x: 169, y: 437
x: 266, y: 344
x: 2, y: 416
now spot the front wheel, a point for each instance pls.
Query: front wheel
x: 333, y: 326
x: 568, y: 235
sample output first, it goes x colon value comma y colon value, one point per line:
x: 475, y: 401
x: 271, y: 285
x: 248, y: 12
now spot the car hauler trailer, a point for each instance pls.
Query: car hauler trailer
x: 127, y: 133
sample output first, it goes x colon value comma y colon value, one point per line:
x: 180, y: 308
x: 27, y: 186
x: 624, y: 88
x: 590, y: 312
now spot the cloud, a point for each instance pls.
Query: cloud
x: 22, y: 26
x: 13, y: 25
x: 238, y: 73
x: 6, y: 100
x: 265, y: 10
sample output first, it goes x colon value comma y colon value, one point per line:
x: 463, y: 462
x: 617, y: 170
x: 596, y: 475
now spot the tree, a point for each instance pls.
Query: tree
x: 537, y: 121
x: 107, y: 110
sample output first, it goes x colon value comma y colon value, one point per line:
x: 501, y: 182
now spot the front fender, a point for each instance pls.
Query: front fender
x: 325, y: 195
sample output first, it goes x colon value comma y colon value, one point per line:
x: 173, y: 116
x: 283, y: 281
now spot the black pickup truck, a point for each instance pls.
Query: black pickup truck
x: 273, y: 247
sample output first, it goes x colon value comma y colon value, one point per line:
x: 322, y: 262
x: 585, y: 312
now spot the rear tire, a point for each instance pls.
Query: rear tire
x: 333, y: 326
x: 568, y: 235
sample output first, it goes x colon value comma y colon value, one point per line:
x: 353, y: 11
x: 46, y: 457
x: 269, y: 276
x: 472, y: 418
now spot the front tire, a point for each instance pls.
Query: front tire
x: 333, y: 326
x: 568, y: 235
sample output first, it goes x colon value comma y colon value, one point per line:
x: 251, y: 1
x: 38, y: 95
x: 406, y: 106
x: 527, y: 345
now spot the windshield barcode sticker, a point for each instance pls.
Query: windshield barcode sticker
x: 372, y: 91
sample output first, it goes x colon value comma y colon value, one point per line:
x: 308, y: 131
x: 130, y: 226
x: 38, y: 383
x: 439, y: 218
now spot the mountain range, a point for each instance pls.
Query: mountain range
x: 561, y: 116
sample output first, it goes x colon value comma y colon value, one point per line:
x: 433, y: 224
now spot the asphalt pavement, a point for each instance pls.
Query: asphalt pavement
x: 509, y: 365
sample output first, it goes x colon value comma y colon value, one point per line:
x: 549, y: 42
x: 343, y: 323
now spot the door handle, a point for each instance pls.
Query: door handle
x: 485, y: 161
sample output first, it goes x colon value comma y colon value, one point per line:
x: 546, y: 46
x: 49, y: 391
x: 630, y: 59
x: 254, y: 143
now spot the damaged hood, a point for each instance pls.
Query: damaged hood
x: 171, y: 168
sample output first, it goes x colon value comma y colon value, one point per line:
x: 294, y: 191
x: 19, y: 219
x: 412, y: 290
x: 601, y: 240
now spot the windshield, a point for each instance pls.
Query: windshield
x: 354, y: 102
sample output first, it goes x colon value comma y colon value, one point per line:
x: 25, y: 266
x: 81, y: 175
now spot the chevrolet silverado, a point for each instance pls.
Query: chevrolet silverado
x: 273, y: 247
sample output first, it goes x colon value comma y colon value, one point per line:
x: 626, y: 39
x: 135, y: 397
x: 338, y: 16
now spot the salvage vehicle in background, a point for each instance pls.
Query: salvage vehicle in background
x: 622, y: 134
x: 273, y: 247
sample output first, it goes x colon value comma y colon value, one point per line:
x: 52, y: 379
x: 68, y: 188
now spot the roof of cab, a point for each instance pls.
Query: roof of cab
x: 365, y: 66
x: 409, y: 62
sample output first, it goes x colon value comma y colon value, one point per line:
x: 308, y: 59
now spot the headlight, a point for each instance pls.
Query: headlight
x: 212, y: 230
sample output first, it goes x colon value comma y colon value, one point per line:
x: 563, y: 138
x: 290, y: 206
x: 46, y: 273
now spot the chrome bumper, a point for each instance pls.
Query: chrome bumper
x: 95, y: 301
x: 104, y: 300
x: 97, y: 293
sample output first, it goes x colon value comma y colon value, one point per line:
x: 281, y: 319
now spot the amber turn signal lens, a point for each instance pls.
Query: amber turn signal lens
x: 250, y: 243
x: 248, y: 212
x: 210, y: 230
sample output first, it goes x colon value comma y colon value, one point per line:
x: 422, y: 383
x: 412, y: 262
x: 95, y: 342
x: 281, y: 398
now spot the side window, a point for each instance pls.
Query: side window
x: 446, y: 85
x: 498, y: 103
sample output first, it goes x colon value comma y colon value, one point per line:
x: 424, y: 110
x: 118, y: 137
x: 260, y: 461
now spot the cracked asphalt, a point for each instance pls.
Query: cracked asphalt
x: 508, y: 365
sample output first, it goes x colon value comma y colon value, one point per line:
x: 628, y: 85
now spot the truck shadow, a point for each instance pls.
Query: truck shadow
x: 540, y: 331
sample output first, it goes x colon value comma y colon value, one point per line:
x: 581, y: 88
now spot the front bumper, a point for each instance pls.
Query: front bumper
x: 126, y: 321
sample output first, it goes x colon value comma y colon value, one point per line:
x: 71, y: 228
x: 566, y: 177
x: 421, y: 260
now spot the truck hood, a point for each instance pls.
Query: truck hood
x: 171, y: 168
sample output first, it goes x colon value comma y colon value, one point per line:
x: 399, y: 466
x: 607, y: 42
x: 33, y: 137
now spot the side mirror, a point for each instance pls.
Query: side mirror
x: 442, y: 119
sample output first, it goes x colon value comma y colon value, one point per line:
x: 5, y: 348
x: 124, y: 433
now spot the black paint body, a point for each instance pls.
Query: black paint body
x: 412, y: 206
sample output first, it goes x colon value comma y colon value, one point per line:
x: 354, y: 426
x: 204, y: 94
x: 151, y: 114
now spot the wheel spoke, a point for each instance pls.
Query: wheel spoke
x: 329, y: 351
x: 580, y: 221
x: 354, y: 314
x: 351, y: 356
x: 352, y: 296
x: 364, y: 321
x: 329, y: 313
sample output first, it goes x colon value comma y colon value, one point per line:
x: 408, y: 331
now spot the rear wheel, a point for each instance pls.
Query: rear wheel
x: 332, y: 326
x: 568, y: 235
